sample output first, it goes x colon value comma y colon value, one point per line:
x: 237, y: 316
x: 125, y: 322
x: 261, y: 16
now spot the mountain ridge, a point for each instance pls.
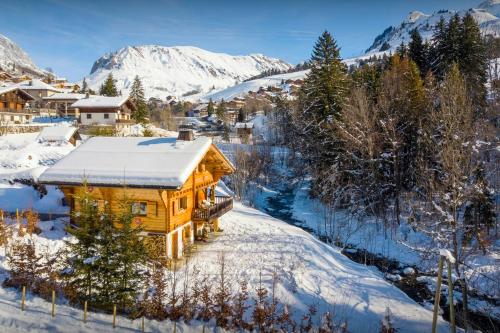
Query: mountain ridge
x: 178, y: 70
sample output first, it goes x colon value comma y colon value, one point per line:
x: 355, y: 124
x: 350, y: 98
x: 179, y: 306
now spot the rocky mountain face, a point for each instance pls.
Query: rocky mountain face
x: 14, y: 60
x: 181, y: 71
x: 486, y: 14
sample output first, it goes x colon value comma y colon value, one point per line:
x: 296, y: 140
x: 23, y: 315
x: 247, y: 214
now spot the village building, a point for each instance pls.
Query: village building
x: 244, y: 132
x: 59, y: 135
x: 169, y: 183
x: 38, y: 90
x: 199, y: 111
x: 104, y: 110
x: 63, y: 103
x: 13, y: 103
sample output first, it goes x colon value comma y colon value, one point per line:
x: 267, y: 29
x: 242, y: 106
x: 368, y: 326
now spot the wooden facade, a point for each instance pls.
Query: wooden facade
x: 13, y: 106
x: 170, y: 218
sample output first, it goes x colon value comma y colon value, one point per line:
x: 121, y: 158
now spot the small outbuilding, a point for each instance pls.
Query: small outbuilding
x: 59, y: 134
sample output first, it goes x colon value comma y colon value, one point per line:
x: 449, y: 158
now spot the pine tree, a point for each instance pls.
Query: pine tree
x: 106, y: 263
x: 210, y: 108
x: 85, y: 87
x: 417, y: 51
x: 479, y: 213
x: 82, y: 252
x: 241, y: 115
x: 321, y: 99
x: 326, y: 84
x: 137, y: 97
x: 472, y: 60
x: 108, y: 88
x: 220, y: 112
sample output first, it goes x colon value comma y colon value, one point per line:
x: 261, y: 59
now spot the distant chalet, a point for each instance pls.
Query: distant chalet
x: 13, y: 106
x: 171, y: 183
x: 104, y: 110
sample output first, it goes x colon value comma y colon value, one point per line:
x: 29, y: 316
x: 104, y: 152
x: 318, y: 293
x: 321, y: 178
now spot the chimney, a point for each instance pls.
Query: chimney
x: 87, y: 95
x: 185, y: 134
x: 30, y: 83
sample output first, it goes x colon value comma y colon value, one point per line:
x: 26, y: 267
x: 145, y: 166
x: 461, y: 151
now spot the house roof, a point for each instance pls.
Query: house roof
x: 35, y: 84
x: 101, y: 102
x: 56, y: 133
x: 130, y: 161
x: 65, y: 96
x: 7, y: 89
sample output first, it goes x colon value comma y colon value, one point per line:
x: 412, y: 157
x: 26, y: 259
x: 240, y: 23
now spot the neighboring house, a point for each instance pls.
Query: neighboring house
x: 59, y: 134
x: 13, y: 106
x: 244, y: 131
x: 104, y: 110
x: 38, y: 90
x: 201, y: 110
x: 62, y: 102
x: 170, y: 183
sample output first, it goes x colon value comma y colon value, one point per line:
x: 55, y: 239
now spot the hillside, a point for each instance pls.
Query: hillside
x: 178, y: 71
x: 485, y: 15
x: 241, y: 89
x: 15, y: 60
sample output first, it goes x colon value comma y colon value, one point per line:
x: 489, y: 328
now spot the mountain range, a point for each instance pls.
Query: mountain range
x: 180, y: 71
x: 486, y: 15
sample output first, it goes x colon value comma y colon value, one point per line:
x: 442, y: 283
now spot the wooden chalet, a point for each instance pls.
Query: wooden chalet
x: 170, y: 183
x: 38, y: 90
x: 104, y: 110
x: 63, y: 103
x: 13, y: 109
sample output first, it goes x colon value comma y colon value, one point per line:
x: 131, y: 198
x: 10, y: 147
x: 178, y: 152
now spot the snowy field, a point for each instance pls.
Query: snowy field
x: 310, y: 273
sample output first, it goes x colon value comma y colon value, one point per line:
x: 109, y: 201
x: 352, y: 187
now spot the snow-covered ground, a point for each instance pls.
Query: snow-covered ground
x: 22, y: 157
x: 310, y: 273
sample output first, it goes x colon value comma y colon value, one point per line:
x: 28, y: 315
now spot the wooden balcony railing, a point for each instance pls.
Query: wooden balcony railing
x: 221, y: 206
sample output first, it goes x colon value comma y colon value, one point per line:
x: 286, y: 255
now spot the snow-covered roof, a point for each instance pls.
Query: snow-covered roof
x: 243, y: 125
x: 56, y: 133
x: 100, y: 102
x: 65, y: 96
x: 35, y: 84
x: 7, y: 89
x: 131, y: 161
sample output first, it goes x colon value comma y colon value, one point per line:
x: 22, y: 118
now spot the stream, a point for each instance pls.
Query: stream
x: 414, y: 285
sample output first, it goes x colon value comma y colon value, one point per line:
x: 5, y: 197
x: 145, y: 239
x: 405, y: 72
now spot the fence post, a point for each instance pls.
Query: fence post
x: 114, y: 315
x: 142, y: 324
x: 437, y: 296
x: 450, y: 296
x: 85, y: 312
x: 53, y: 303
x: 175, y: 327
x: 23, y: 298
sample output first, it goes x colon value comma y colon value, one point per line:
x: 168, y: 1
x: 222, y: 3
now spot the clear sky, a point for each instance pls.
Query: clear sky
x: 69, y: 36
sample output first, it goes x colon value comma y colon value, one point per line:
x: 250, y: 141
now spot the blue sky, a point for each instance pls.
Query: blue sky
x: 69, y: 36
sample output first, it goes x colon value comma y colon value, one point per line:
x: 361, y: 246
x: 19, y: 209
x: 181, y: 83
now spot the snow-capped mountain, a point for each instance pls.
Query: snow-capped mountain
x: 14, y: 60
x: 178, y: 71
x: 487, y: 15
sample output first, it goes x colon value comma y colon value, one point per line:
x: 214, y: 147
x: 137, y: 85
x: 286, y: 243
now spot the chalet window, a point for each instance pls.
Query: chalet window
x: 183, y: 203
x: 140, y: 208
x: 89, y: 115
x: 106, y: 116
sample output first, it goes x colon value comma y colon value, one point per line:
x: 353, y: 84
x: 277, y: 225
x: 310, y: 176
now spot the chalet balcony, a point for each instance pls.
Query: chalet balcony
x: 221, y: 206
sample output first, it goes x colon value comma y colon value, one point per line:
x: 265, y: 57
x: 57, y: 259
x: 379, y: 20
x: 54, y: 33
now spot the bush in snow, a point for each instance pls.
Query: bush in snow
x: 387, y: 325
